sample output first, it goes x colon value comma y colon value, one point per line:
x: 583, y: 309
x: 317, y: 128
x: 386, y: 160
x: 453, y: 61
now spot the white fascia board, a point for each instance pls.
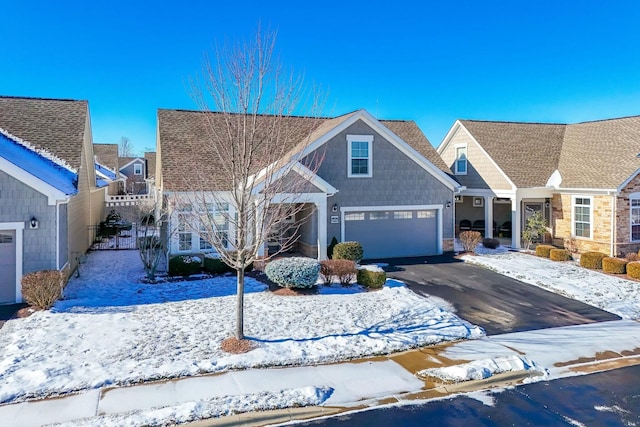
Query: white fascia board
x: 484, y: 192
x: 448, y: 137
x: 314, y: 179
x: 409, y: 151
x: 513, y: 186
x: 594, y: 191
x: 53, y: 194
x: 628, y: 180
x: 387, y: 134
x: 137, y: 159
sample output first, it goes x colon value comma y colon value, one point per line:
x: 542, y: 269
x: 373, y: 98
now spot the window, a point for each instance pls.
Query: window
x: 635, y: 218
x: 204, y: 244
x: 402, y: 215
x: 6, y: 238
x: 426, y: 214
x: 184, y: 235
x: 461, y: 160
x: 359, y: 154
x: 137, y: 169
x: 378, y: 215
x: 359, y: 216
x: 582, y: 217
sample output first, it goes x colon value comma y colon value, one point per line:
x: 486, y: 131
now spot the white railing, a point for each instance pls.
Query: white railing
x: 128, y: 199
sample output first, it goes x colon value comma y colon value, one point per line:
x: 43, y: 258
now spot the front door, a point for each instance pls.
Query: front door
x: 7, y: 266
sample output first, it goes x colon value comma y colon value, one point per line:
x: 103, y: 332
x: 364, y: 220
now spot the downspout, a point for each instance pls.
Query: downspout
x: 613, y: 225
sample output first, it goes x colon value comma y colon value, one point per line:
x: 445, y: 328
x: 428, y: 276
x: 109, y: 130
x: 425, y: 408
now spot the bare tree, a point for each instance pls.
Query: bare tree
x: 258, y: 147
x: 125, y: 147
x: 152, y: 247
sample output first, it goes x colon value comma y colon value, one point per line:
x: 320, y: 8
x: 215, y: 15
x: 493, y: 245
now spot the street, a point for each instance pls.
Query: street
x: 609, y: 398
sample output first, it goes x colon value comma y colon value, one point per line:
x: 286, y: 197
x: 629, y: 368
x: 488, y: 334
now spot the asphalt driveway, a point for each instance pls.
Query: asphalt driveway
x: 497, y: 303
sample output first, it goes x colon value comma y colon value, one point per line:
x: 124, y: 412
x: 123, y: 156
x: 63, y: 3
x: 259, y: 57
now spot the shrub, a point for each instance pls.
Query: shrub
x: 295, y: 272
x: 215, y: 266
x: 344, y: 269
x: 490, y: 243
x: 372, y: 277
x: 632, y: 256
x: 614, y: 265
x: 331, y: 246
x: 470, y: 240
x: 559, y: 255
x: 348, y: 250
x: 43, y: 288
x: 633, y: 269
x: 592, y: 260
x: 544, y: 250
x: 184, y: 265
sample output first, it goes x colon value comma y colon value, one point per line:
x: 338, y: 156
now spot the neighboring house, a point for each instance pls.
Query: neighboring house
x: 583, y: 177
x: 48, y: 192
x: 381, y: 183
x: 106, y: 157
x: 134, y: 169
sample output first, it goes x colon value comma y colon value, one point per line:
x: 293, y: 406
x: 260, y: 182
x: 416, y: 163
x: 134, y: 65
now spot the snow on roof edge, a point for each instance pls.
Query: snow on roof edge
x: 41, y: 152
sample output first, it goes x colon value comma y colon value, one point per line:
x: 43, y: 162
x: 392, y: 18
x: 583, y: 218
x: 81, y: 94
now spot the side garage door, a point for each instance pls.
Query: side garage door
x: 7, y: 266
x: 393, y: 233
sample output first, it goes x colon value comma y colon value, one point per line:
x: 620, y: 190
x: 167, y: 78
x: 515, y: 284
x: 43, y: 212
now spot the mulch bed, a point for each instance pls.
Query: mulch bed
x: 235, y: 346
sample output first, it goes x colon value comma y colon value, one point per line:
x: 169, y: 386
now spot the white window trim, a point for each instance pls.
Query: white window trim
x: 135, y: 168
x: 466, y: 160
x: 360, y: 138
x: 573, y: 214
x: 632, y: 196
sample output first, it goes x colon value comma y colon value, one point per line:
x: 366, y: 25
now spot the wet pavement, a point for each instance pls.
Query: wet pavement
x: 609, y: 398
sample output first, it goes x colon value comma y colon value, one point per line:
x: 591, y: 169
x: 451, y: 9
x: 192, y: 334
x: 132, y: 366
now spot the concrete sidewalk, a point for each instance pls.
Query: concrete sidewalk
x: 367, y: 382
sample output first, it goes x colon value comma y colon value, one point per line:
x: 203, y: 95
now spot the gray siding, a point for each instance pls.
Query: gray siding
x: 135, y: 183
x: 18, y: 203
x: 396, y: 180
x: 63, y: 242
x: 309, y: 228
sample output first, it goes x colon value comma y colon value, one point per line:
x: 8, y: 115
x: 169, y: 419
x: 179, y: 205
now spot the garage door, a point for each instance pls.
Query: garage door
x: 7, y: 266
x: 393, y: 233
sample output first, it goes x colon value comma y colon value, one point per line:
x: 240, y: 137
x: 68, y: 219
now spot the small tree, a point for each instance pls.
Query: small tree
x: 152, y: 246
x: 247, y: 103
x: 125, y: 147
x: 535, y: 228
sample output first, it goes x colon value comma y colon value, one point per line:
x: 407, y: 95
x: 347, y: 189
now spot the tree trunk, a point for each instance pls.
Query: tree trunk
x: 240, y: 305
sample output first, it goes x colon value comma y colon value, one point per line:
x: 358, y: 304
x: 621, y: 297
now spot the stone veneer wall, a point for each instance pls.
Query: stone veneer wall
x: 561, y: 223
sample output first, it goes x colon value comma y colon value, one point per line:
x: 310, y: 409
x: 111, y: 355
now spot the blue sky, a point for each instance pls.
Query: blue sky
x: 432, y: 62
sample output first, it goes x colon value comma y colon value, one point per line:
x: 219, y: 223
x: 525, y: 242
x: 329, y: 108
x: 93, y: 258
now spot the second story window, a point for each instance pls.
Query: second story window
x: 461, y: 160
x: 359, y: 151
x: 137, y: 169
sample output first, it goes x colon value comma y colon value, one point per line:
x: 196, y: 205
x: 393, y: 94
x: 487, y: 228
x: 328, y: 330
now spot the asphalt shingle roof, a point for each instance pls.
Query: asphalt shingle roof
x: 53, y: 125
x: 181, y: 136
x: 107, y: 154
x: 599, y: 154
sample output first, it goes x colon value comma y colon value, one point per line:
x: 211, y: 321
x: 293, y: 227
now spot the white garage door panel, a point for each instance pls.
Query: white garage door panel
x: 393, y: 233
x: 7, y: 266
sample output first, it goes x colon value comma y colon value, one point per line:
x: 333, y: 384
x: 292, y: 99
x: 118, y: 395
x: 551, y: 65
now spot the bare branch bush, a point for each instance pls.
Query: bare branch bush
x: 254, y: 161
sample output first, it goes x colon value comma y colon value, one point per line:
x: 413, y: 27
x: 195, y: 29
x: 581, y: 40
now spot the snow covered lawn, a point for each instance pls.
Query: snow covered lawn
x: 610, y: 293
x: 114, y: 329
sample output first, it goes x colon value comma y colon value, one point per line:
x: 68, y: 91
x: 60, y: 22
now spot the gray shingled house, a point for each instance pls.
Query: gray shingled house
x: 49, y: 195
x: 583, y: 177
x: 381, y: 183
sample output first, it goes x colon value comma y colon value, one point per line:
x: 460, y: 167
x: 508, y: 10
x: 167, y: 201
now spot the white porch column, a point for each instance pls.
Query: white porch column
x: 488, y: 215
x: 321, y: 207
x: 516, y: 201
